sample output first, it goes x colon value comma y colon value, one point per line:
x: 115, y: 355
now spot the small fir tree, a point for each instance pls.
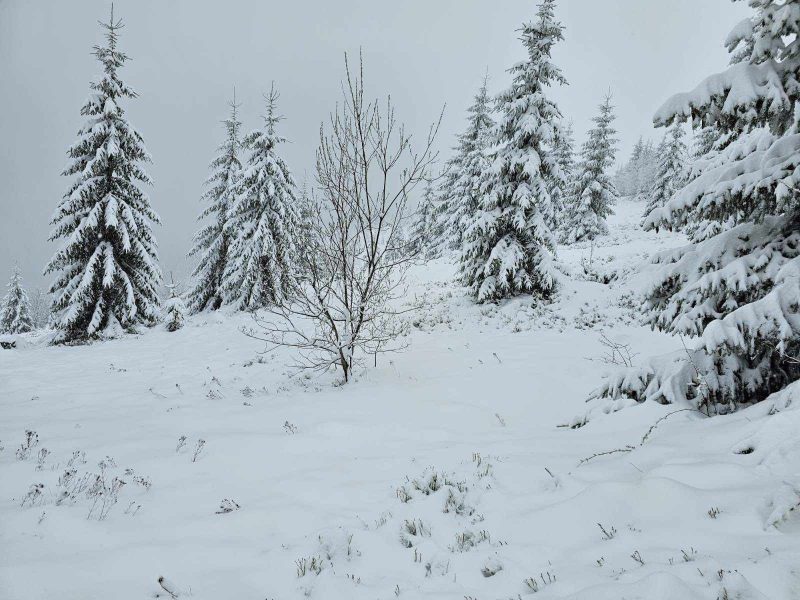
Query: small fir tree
x: 423, y: 234
x: 565, y: 155
x: 107, y: 273
x: 15, y: 316
x: 174, y: 309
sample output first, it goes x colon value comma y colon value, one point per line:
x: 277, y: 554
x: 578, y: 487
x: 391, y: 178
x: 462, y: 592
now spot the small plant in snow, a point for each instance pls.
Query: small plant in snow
x: 616, y: 353
x: 411, y: 529
x: 78, y: 457
x: 690, y: 555
x: 714, y: 512
x: 34, y: 495
x: 198, y: 449
x: 637, y: 557
x: 25, y: 449
x: 142, y: 481
x: 467, y: 540
x: 181, y: 443
x: 546, y: 579
x: 308, y: 565
x: 290, y: 427
x: 105, y: 494
x: 42, y: 456
x: 227, y: 506
x: 607, y: 534
x: 455, y: 503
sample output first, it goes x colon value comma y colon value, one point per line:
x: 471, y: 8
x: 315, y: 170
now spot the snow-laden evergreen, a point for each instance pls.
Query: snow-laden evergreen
x: 509, y: 247
x: 107, y: 273
x: 565, y: 155
x: 174, y: 309
x: 636, y: 177
x: 737, y: 292
x: 707, y: 141
x: 15, y: 311
x: 264, y: 222
x: 424, y: 231
x: 460, y: 190
x: 672, y: 169
x: 211, y: 242
x: 594, y: 192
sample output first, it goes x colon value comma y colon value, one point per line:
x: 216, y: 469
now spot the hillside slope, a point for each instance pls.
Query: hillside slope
x: 442, y: 472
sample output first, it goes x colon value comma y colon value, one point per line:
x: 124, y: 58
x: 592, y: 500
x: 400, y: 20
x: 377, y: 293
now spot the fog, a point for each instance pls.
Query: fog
x: 187, y: 56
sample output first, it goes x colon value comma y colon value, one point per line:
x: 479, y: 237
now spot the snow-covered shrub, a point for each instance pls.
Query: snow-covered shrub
x: 738, y: 292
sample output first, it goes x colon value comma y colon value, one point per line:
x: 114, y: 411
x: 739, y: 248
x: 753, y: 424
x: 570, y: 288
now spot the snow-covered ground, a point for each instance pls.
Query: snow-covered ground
x: 440, y: 473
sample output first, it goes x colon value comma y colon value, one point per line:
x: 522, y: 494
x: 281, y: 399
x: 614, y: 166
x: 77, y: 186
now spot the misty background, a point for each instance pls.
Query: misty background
x: 186, y: 57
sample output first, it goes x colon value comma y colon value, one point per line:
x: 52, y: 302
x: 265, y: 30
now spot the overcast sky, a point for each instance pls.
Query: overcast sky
x: 188, y: 54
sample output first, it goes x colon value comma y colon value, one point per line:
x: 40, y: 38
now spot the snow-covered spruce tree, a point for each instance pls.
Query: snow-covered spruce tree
x: 594, y: 192
x: 739, y: 291
x: 264, y: 222
x: 626, y: 179
x: 672, y: 169
x: 508, y: 247
x: 460, y: 190
x: 635, y: 178
x: 211, y: 242
x: 174, y: 309
x: 15, y: 316
x: 707, y: 142
x: 423, y: 234
x: 107, y: 273
x: 565, y: 155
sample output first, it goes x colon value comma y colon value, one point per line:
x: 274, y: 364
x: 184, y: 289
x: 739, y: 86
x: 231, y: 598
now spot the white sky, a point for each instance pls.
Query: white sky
x: 188, y: 54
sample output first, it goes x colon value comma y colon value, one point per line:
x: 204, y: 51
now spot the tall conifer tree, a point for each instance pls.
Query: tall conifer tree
x: 594, y: 192
x: 107, y: 273
x: 212, y: 241
x: 264, y: 222
x: 509, y: 246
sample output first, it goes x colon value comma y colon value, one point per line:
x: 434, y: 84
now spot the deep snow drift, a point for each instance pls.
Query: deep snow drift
x: 440, y: 473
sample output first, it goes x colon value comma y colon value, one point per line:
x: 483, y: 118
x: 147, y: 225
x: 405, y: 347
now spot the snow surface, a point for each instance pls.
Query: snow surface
x: 441, y: 473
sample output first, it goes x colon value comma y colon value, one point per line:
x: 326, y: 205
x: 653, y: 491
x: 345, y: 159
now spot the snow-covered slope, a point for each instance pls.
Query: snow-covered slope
x: 441, y: 473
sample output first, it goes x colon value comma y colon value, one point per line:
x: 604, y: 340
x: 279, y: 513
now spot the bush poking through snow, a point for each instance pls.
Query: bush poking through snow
x: 34, y: 495
x: 26, y: 448
x: 308, y: 565
x: 546, y: 578
x: 227, y: 506
x: 608, y: 534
